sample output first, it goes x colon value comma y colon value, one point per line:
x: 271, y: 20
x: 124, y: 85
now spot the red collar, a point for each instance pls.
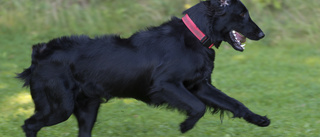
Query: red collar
x: 197, y: 32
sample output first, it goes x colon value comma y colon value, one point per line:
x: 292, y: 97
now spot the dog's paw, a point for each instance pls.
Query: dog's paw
x: 184, y: 127
x: 262, y: 121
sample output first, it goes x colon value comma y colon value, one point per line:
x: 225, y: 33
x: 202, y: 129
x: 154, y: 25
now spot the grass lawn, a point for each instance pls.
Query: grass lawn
x: 278, y: 76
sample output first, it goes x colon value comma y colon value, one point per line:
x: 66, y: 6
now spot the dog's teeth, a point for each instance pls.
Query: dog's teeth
x: 235, y: 35
x: 243, y: 45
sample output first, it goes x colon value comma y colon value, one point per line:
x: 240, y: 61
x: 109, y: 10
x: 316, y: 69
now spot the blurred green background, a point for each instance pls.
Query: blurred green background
x: 278, y: 76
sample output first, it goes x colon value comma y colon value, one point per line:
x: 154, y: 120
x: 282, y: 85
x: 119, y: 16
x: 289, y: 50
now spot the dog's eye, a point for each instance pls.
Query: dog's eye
x: 243, y: 14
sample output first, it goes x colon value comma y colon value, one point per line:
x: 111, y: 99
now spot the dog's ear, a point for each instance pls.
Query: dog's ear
x: 222, y: 3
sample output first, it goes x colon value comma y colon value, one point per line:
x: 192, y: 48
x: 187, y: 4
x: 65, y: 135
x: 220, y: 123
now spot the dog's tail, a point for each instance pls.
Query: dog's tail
x: 26, y: 74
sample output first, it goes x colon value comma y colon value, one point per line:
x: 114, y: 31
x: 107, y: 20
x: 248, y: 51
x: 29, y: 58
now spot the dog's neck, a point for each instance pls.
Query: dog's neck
x: 197, y: 32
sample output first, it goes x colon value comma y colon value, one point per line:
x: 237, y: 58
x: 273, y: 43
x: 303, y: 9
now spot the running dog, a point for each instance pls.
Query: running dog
x: 166, y: 65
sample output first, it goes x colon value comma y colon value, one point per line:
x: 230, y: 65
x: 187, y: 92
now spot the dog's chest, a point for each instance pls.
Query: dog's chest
x: 186, y: 67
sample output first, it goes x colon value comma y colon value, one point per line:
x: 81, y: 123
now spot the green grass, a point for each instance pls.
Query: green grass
x: 277, y: 76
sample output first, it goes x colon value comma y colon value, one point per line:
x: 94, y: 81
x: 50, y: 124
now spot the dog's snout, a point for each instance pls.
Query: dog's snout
x: 261, y: 35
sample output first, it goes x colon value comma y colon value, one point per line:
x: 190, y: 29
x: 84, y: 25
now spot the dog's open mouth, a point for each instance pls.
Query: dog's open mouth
x: 238, y: 40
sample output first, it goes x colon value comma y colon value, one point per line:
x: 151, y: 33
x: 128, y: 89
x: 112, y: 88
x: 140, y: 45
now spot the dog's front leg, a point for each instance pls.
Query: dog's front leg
x: 214, y: 98
x: 176, y: 96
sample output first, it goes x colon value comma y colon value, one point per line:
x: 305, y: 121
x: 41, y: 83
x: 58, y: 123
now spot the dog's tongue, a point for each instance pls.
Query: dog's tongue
x: 240, y: 37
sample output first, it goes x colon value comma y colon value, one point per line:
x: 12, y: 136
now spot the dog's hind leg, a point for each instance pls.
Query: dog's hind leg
x: 54, y: 103
x: 86, y: 110
x: 178, y: 97
x: 214, y: 98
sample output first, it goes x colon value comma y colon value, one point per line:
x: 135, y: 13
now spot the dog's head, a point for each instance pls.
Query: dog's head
x: 225, y: 20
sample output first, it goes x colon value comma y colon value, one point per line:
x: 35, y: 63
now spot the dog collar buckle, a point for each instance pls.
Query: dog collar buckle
x: 197, y: 32
x: 206, y: 42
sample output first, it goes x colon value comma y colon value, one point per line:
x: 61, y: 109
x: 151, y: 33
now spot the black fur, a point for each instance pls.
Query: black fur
x: 162, y: 65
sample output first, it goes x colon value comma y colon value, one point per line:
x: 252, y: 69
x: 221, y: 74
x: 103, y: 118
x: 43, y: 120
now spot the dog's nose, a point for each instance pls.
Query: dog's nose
x: 261, y: 35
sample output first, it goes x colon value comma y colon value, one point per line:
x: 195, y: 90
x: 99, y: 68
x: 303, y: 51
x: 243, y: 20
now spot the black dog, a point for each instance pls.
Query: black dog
x: 170, y: 64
